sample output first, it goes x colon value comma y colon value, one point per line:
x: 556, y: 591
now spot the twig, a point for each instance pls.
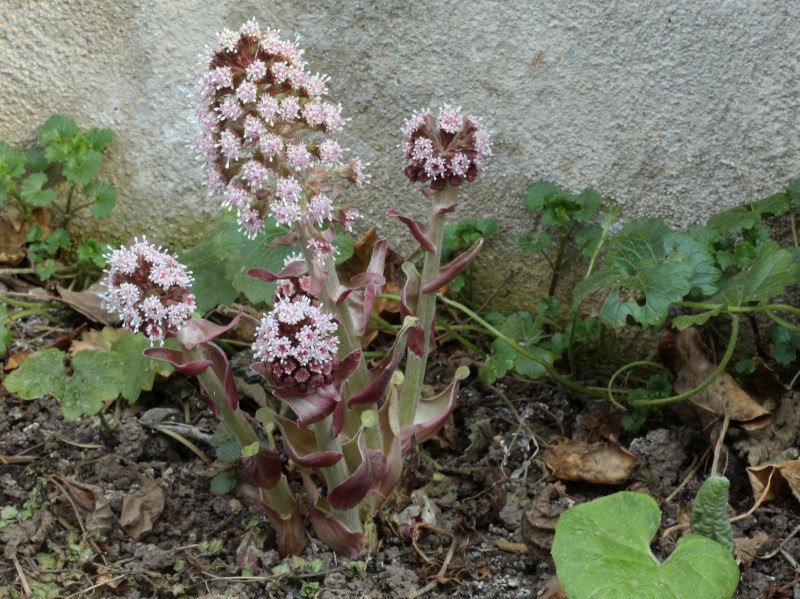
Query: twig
x: 72, y: 503
x: 718, y: 449
x: 758, y: 502
x: 97, y: 586
x: 442, y: 571
x: 22, y: 580
x: 184, y: 441
x: 772, y: 554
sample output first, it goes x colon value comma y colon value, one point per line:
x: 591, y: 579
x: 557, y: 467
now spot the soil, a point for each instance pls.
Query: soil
x: 497, y: 502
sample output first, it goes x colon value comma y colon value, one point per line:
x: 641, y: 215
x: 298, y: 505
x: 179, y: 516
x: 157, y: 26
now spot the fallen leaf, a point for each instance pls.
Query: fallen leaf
x: 486, y: 496
x: 14, y: 233
x: 597, y: 463
x: 26, y: 537
x: 141, y: 509
x: 776, y: 479
x: 682, y: 351
x: 98, y: 340
x: 89, y: 303
x: 539, y: 521
x: 766, y: 444
x: 746, y: 548
x: 16, y: 360
x: 480, y: 436
x: 592, y: 427
x: 93, y: 499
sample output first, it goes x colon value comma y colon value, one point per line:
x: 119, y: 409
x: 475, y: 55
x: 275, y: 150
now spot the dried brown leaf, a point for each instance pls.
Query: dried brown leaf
x: 26, y: 537
x: 747, y: 548
x: 141, y: 509
x: 89, y: 303
x: 16, y: 360
x: 98, y: 340
x: 539, y: 522
x: 683, y: 352
x: 597, y: 463
x: 776, y: 479
x: 93, y: 499
x: 14, y: 233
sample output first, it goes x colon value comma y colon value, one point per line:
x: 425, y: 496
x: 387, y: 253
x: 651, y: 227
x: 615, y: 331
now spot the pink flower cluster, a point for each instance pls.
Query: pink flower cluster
x: 296, y: 341
x: 449, y: 149
x: 149, y: 289
x: 265, y: 131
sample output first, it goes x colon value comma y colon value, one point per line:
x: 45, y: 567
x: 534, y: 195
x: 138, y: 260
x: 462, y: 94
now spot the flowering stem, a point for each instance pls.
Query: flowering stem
x: 349, y: 341
x: 426, y: 307
x: 279, y: 497
x: 337, y: 473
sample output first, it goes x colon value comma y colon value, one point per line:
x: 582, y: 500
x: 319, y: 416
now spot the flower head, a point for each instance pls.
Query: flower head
x: 449, y: 148
x: 261, y: 110
x: 149, y: 289
x: 296, y: 341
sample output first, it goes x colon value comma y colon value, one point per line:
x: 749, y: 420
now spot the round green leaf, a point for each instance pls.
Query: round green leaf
x: 602, y: 551
x: 222, y: 483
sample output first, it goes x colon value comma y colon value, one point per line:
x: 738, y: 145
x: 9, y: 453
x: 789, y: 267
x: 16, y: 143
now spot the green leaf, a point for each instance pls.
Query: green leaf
x: 211, y: 286
x: 220, y: 264
x: 43, y: 373
x: 744, y: 217
x: 647, y: 268
x: 589, y: 201
x: 105, y: 197
x: 772, y: 271
x: 249, y: 451
x: 97, y: 376
x: 534, y: 246
x: 222, y: 483
x: 36, y: 158
x: 91, y: 252
x: 46, y: 269
x: 544, y: 192
x: 504, y: 357
x: 99, y: 138
x: 345, y: 247
x: 57, y: 128
x: 602, y: 556
x: 139, y: 370
x: 463, y: 234
x: 690, y: 320
x: 787, y: 344
x: 81, y: 169
x: 32, y: 192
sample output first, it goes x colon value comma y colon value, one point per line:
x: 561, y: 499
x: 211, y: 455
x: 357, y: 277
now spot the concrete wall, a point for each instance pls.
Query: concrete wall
x: 673, y: 109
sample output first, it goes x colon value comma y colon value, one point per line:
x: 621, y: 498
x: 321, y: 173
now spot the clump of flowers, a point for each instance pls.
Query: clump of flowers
x: 266, y: 131
x: 148, y: 289
x: 446, y: 150
x: 296, y: 341
x: 266, y: 141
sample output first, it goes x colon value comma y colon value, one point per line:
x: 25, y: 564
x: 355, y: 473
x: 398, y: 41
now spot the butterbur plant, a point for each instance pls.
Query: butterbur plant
x: 267, y: 144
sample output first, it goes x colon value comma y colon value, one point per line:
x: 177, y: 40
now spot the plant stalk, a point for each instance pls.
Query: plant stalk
x: 426, y: 308
x: 280, y: 496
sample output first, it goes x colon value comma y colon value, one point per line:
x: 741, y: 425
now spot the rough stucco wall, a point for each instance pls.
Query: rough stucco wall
x: 673, y: 109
